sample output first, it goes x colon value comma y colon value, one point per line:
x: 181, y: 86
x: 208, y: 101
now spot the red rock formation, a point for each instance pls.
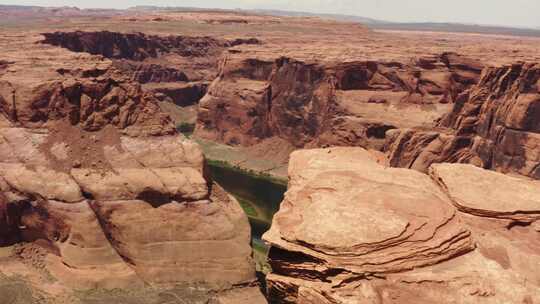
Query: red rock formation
x: 92, y: 216
x: 145, y: 73
x: 313, y: 104
x: 94, y: 177
x: 137, y: 46
x: 352, y: 231
x: 91, y: 103
x: 494, y: 125
x: 181, y: 94
x: 151, y: 58
x: 148, y: 58
x: 480, y: 198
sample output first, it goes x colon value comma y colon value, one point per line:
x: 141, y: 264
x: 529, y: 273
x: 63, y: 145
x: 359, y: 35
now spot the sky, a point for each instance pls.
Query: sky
x: 523, y: 13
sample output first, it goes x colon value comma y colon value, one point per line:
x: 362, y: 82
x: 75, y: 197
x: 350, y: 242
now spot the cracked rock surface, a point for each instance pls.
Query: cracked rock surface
x: 352, y: 230
x: 99, y: 192
x: 493, y: 125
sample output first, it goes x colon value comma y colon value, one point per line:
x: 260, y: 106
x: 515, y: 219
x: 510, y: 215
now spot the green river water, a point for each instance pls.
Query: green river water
x: 259, y: 196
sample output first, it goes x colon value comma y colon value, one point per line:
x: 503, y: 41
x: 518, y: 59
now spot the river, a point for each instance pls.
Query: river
x: 259, y: 196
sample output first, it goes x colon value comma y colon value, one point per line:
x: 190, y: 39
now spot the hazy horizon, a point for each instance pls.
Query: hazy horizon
x: 517, y: 13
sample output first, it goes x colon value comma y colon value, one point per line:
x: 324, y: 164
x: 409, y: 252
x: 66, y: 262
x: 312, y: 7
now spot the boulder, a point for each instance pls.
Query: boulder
x: 487, y: 193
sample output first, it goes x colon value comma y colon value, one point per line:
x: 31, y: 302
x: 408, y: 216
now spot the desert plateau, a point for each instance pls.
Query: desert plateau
x: 227, y: 156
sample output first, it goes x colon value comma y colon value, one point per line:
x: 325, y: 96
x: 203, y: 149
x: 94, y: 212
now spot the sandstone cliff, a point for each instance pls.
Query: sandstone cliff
x: 98, y: 191
x: 494, y: 125
x: 351, y: 230
x: 152, y: 59
x: 148, y: 58
x: 436, y: 109
x: 330, y: 103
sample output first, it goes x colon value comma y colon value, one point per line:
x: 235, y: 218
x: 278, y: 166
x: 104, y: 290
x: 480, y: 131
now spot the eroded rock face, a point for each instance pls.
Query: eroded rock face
x: 91, y: 219
x: 477, y: 193
x: 137, y: 46
x: 351, y: 230
x: 317, y: 104
x: 494, y: 125
x: 92, y: 103
x: 8, y: 220
x: 177, y: 68
x: 97, y: 191
x: 181, y: 94
x: 148, y: 58
x: 151, y: 58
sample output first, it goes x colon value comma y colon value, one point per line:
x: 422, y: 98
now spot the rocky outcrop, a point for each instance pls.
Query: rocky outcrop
x: 180, y: 94
x: 148, y: 58
x: 151, y: 73
x: 151, y: 58
x: 351, y: 230
x: 179, y: 67
x: 494, y: 125
x: 90, y: 218
x: 92, y: 103
x: 98, y: 191
x: 317, y: 104
x: 481, y: 198
x: 135, y: 46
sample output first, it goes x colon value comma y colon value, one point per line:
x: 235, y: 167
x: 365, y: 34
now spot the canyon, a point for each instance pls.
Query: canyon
x: 412, y: 161
x: 87, y: 203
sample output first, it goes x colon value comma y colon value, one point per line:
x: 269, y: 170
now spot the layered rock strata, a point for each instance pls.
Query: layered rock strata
x: 151, y: 58
x: 494, y: 125
x: 351, y: 230
x: 329, y: 103
x: 98, y: 191
x: 90, y: 102
x: 178, y: 66
x: 436, y: 109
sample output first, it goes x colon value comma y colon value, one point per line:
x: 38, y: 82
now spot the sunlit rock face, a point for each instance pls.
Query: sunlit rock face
x: 493, y: 125
x: 352, y: 230
x: 98, y: 191
x: 317, y: 103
